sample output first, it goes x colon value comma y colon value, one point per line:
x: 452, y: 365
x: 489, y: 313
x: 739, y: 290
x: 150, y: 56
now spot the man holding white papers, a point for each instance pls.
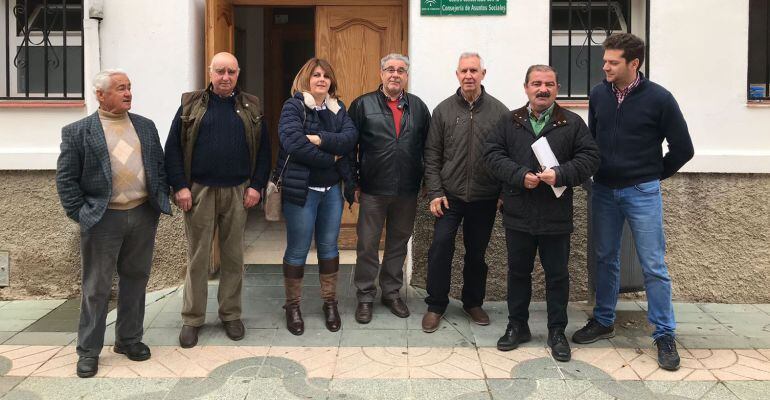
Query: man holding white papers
x: 533, y: 215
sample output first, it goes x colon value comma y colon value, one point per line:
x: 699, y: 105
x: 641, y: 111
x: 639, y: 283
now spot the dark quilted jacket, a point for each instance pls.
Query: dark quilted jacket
x: 298, y: 120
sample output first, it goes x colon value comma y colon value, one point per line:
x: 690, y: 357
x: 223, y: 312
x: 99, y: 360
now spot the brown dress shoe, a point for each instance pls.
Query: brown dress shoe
x: 188, y: 337
x: 332, y: 316
x: 294, y: 322
x: 397, y: 307
x: 431, y: 321
x: 234, y: 329
x: 478, y: 315
x: 364, y: 312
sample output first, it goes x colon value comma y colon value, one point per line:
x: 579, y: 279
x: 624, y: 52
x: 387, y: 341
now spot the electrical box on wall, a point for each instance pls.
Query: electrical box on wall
x: 5, y: 268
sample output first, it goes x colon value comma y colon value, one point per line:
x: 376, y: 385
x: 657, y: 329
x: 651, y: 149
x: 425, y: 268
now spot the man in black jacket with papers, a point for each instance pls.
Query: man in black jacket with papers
x: 534, y: 216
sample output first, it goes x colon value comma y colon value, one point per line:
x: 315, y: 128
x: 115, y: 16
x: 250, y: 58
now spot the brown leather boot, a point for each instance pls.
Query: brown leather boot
x: 292, y: 282
x: 327, y: 274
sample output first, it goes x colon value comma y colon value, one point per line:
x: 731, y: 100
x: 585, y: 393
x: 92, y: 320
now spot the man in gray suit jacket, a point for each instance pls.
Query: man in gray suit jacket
x: 111, y: 180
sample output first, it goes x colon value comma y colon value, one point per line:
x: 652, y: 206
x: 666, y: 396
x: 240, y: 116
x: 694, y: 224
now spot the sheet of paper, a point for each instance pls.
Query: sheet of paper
x: 547, y: 159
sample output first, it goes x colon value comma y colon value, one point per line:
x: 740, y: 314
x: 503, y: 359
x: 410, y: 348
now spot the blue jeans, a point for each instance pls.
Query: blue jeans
x: 642, y: 206
x: 322, y: 213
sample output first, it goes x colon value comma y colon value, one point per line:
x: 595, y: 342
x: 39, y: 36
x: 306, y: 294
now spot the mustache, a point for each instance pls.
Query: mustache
x: 543, y: 94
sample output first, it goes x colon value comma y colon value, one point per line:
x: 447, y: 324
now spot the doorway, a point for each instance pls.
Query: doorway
x: 272, y: 39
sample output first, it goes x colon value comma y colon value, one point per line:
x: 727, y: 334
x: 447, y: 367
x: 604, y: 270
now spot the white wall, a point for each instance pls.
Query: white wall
x: 160, y: 45
x: 509, y: 44
x: 698, y: 52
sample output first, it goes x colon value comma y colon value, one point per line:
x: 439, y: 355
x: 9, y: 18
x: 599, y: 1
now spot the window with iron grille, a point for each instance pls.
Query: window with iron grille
x: 759, y: 50
x: 578, y: 29
x: 43, y: 54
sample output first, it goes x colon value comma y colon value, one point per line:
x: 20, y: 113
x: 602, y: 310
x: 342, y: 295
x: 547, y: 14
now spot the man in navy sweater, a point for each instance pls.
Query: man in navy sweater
x: 629, y: 117
x: 217, y: 162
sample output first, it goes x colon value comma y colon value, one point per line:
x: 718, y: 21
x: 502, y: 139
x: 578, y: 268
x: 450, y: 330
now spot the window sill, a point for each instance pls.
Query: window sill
x: 573, y: 103
x: 43, y: 104
x: 758, y: 104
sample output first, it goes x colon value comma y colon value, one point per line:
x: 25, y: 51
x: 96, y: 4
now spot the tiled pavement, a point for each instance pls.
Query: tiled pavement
x: 725, y: 353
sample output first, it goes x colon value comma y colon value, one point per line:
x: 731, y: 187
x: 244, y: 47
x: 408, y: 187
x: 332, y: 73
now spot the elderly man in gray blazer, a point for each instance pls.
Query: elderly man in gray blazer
x: 111, y: 180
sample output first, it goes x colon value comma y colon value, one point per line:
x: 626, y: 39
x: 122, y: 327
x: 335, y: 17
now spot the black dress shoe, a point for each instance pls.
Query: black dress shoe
x: 135, y: 351
x: 188, y: 337
x: 515, y: 334
x: 87, y: 366
x: 559, y: 345
x: 364, y: 312
x: 234, y: 329
x: 397, y: 307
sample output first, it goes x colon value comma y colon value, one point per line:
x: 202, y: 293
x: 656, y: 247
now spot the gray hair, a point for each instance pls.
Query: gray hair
x: 469, y: 54
x: 394, y: 56
x: 103, y: 79
x: 540, y: 68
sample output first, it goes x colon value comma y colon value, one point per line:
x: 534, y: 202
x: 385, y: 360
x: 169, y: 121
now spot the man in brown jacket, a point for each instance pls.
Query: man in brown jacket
x: 461, y: 190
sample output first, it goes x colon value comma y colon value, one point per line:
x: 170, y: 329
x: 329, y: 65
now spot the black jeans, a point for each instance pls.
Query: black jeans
x: 554, y: 253
x: 478, y: 218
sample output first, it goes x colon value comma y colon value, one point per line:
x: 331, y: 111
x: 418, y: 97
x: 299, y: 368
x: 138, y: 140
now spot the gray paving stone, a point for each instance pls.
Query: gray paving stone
x: 33, y: 314
x: 33, y: 304
x: 703, y: 329
x: 379, y: 322
x: 215, y: 336
x: 373, y: 338
x: 211, y: 389
x: 5, y: 336
x: 8, y: 382
x: 42, y: 338
x: 161, y: 337
x: 269, y: 388
x: 511, y: 389
x: 441, y: 389
x: 161, y: 295
x: 375, y: 389
x: 54, y: 325
x: 686, y: 307
x: 747, y: 319
x: 167, y: 320
x: 17, y: 325
x: 265, y: 320
x: 440, y: 338
x: 91, y: 389
x: 3, y: 303
x: 691, y: 390
x: 695, y: 317
x: 720, y: 392
x: 311, y: 338
x: 749, y: 390
x: 765, y: 308
x: 727, y: 308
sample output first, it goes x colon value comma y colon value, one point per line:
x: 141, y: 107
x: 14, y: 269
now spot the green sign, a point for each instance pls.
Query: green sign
x: 463, y: 7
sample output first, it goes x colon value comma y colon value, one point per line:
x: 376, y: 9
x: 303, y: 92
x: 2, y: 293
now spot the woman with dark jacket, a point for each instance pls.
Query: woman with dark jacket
x: 315, y: 132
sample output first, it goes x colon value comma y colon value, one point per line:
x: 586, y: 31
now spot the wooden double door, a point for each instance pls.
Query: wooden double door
x: 351, y: 36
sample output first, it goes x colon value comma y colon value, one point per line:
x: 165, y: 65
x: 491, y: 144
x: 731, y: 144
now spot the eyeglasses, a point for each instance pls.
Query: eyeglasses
x: 222, y: 71
x: 391, y: 70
